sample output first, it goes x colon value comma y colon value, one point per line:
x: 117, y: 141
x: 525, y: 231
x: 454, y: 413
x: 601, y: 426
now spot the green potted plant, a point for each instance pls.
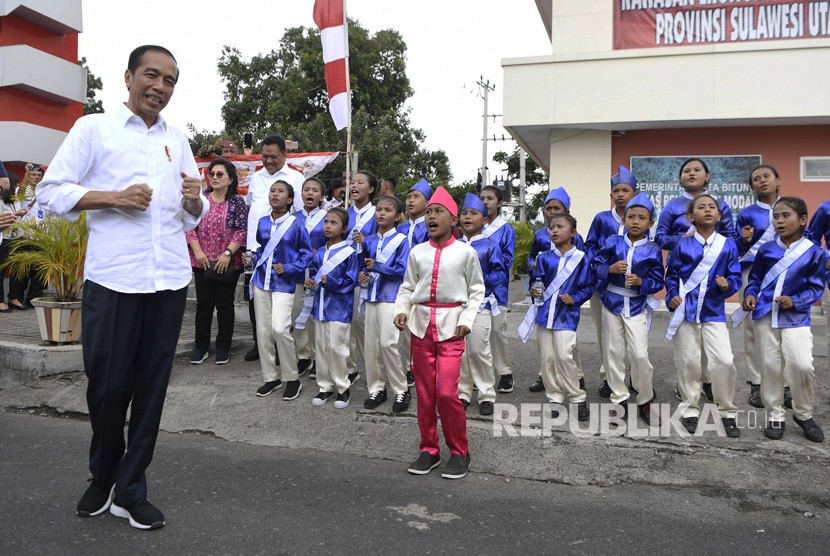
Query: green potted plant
x: 524, y: 240
x: 53, y: 250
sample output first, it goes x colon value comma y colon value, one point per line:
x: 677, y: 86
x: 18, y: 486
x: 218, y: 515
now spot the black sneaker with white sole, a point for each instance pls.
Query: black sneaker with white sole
x: 142, y: 516
x: 401, y: 402
x: 222, y: 356
x: 292, y: 390
x: 375, y: 399
x: 312, y: 370
x: 505, y: 384
x: 268, y: 387
x: 198, y: 356
x: 457, y: 467
x: 410, y: 379
x: 321, y: 398
x: 303, y: 365
x: 425, y: 463
x: 353, y: 377
x: 538, y: 386
x: 95, y: 501
x: 342, y: 400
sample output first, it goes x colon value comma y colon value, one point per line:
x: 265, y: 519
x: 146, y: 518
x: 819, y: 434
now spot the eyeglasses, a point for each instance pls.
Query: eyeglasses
x: 216, y: 174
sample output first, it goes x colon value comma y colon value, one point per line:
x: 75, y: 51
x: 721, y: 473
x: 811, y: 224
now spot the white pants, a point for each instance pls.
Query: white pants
x: 596, y: 315
x: 273, y: 324
x: 383, y: 360
x: 357, y: 333
x: 303, y: 338
x: 498, y: 343
x: 560, y: 373
x: 623, y: 334
x: 331, y: 339
x: 477, y: 361
x: 753, y: 355
x: 787, y: 358
x: 406, y: 349
x: 710, y: 339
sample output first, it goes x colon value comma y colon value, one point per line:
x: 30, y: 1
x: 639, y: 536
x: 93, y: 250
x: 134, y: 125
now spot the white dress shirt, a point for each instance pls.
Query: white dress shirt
x: 129, y: 251
x: 257, y: 197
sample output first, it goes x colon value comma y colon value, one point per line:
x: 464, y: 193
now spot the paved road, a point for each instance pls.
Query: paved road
x: 225, y: 497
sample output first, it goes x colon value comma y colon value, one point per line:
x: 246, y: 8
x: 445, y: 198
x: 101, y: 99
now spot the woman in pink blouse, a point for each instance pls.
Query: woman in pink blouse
x: 217, y: 243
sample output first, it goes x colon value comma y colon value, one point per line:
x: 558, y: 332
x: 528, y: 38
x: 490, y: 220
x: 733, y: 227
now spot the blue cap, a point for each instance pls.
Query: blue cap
x: 559, y: 194
x: 641, y: 200
x: 472, y: 201
x: 423, y: 187
x: 624, y: 176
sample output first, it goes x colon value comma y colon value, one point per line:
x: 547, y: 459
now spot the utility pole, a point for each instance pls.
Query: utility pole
x: 484, y: 89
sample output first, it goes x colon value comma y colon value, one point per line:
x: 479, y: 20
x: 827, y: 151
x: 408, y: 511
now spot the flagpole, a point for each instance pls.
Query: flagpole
x: 349, y: 125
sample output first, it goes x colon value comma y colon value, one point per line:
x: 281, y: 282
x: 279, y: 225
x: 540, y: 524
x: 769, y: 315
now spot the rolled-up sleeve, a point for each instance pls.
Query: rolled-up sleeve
x: 60, y: 190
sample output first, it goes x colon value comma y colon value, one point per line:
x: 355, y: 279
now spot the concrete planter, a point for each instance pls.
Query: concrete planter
x: 59, y: 321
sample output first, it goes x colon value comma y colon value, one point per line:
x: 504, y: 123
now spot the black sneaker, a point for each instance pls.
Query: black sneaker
x: 457, y: 467
x: 353, y: 377
x: 774, y: 430
x: 312, y: 370
x: 465, y: 403
x: 646, y: 414
x: 485, y: 408
x: 342, y: 400
x: 303, y: 365
x: 505, y: 384
x: 582, y: 383
x: 707, y: 391
x: 582, y: 411
x: 375, y: 399
x: 731, y: 428
x: 811, y: 429
x: 690, y: 424
x: 537, y: 386
x: 556, y: 409
x: 788, y: 398
x: 604, y: 390
x: 401, y: 402
x: 321, y: 398
x: 268, y: 387
x: 222, y: 356
x: 755, y: 396
x: 292, y: 390
x: 198, y: 356
x: 252, y: 354
x: 142, y: 516
x: 95, y: 500
x: 425, y: 463
x: 410, y: 379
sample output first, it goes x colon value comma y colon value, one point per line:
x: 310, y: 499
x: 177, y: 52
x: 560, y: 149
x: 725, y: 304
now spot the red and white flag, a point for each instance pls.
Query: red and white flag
x: 330, y: 17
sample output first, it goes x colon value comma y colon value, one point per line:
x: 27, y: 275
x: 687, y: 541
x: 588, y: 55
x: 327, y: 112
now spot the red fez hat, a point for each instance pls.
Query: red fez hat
x: 442, y: 197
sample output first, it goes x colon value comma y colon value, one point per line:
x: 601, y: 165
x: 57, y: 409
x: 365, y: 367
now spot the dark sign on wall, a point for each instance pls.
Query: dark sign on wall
x: 657, y: 23
x: 658, y: 176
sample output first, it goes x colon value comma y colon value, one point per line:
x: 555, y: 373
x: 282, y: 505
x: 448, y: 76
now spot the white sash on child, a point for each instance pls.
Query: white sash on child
x: 314, y: 219
x: 268, y: 250
x: 362, y: 219
x: 775, y: 274
x: 381, y: 256
x: 493, y: 227
x: 494, y: 305
x: 552, y: 293
x: 325, y: 269
x: 699, y: 277
x: 652, y: 303
x: 411, y: 232
x: 769, y: 233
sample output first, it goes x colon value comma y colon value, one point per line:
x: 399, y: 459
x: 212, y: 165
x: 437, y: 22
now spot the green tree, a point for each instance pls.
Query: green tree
x: 284, y: 92
x: 93, y: 86
x: 535, y: 180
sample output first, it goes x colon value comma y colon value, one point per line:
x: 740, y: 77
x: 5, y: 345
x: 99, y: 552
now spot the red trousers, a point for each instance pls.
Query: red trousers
x: 437, y: 367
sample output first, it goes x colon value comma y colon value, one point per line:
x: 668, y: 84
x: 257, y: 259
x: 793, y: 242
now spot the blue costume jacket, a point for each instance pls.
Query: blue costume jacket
x: 293, y: 251
x: 542, y: 242
x: 803, y: 282
x: 492, y: 266
x: 419, y: 235
x: 646, y: 262
x: 334, y: 300
x: 389, y: 274
x: 370, y: 227
x: 505, y: 237
x: 756, y: 215
x: 673, y: 223
x: 580, y: 286
x: 684, y: 259
x: 605, y: 225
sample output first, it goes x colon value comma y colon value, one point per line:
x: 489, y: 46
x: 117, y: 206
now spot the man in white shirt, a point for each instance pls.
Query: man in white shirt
x: 273, y: 168
x: 136, y: 178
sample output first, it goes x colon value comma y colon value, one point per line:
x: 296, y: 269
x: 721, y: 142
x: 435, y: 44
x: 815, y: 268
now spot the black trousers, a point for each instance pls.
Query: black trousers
x: 18, y: 287
x: 212, y: 295
x: 129, y: 341
x: 250, y: 300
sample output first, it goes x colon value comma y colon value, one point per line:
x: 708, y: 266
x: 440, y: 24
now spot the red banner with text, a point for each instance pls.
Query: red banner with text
x: 658, y: 23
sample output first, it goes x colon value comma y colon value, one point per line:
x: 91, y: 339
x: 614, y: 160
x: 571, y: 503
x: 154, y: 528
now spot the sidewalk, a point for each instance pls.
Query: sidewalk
x: 218, y: 401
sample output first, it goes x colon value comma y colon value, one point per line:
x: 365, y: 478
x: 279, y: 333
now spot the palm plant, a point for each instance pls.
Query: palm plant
x: 54, y: 249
